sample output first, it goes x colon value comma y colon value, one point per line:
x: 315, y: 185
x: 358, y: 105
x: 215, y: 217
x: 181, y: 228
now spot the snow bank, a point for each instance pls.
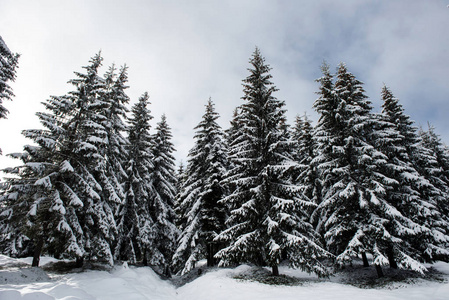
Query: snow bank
x: 121, y: 283
x: 23, y: 276
x: 219, y: 285
x: 142, y: 283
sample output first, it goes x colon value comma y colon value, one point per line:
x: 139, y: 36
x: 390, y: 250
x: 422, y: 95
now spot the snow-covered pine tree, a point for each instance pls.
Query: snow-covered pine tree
x: 114, y: 111
x: 180, y: 177
x: 136, y: 228
x: 401, y: 193
x: 8, y: 65
x: 40, y: 205
x: 162, y: 197
x: 204, y: 215
x: 432, y: 141
x: 434, y: 165
x: 305, y: 151
x: 230, y: 134
x: 355, y: 210
x: 87, y: 141
x: 325, y: 105
x: 45, y: 195
x: 264, y: 223
x: 233, y: 130
x: 180, y: 216
x: 423, y: 194
x: 296, y: 135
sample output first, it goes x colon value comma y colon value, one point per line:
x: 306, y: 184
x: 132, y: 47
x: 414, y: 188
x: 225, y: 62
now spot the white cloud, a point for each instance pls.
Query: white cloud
x: 182, y: 53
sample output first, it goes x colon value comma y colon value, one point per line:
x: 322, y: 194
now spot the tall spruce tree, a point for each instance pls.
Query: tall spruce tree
x: 180, y: 177
x: 88, y: 141
x: 200, y: 195
x: 8, y: 66
x: 432, y: 141
x: 57, y: 197
x: 421, y: 196
x: 401, y: 193
x: 162, y: 197
x: 355, y: 208
x: 264, y: 222
x: 136, y: 227
x: 41, y: 205
x: 114, y: 110
x: 307, y: 176
x: 179, y: 212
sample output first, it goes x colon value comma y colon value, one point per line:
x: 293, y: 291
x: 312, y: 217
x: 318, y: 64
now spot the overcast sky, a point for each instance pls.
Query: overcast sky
x: 183, y: 52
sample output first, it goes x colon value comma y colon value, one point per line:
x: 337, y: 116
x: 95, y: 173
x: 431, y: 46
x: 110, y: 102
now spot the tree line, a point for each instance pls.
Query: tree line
x: 97, y: 184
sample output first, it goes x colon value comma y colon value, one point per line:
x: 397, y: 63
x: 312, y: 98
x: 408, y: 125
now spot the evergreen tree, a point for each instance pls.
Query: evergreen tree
x: 401, y: 193
x: 305, y: 152
x: 8, y: 65
x: 114, y: 111
x: 432, y: 141
x: 297, y: 135
x: 69, y: 196
x: 325, y: 105
x: 88, y: 139
x: 233, y: 130
x: 180, y: 214
x: 418, y: 196
x: 162, y: 197
x: 40, y: 204
x: 264, y: 224
x: 51, y: 195
x: 200, y: 195
x: 355, y: 209
x: 435, y: 169
x: 136, y: 228
x: 180, y: 178
x: 230, y: 135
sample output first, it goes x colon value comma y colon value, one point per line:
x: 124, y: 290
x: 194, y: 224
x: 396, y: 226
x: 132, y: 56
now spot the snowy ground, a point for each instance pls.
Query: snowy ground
x: 19, y: 281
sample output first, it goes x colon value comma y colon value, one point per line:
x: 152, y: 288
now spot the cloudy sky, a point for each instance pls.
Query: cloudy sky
x: 183, y: 52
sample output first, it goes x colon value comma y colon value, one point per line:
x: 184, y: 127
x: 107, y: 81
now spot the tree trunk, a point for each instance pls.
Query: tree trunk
x: 275, y: 270
x: 391, y: 260
x: 145, y: 260
x: 212, y: 249
x: 79, y: 262
x: 167, y: 272
x: 210, y: 258
x: 37, y: 252
x: 365, y: 260
x: 379, y: 271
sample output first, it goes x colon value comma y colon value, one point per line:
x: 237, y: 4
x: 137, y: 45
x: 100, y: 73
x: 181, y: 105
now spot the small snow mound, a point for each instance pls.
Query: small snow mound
x: 44, y: 260
x: 442, y: 267
x: 69, y: 292
x: 23, y: 276
x: 125, y: 265
x: 8, y: 262
x: 16, y: 295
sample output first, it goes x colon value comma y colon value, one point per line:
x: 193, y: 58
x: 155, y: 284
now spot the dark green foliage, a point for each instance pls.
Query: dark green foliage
x: 162, y: 197
x: 8, y: 66
x: 264, y: 223
x: 202, y: 216
x: 307, y: 176
x: 63, y: 192
x: 135, y: 226
x: 356, y: 210
x: 418, y: 194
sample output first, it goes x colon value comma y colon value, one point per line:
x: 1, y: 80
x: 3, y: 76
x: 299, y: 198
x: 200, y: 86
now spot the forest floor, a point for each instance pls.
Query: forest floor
x: 60, y: 280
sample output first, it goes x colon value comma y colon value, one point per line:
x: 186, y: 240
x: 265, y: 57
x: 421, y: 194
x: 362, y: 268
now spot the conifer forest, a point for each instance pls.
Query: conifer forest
x: 99, y: 182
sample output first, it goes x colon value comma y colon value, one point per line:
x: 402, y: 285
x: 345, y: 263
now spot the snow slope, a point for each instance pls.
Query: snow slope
x: 142, y: 283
